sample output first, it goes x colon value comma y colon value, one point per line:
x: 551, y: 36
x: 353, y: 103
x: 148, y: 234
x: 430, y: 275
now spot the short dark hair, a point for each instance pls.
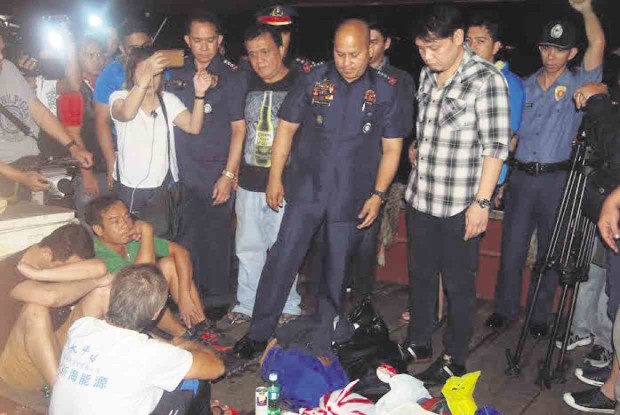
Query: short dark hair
x: 488, y: 20
x: 134, y: 25
x: 438, y: 22
x: 375, y: 23
x: 69, y: 240
x: 136, y: 56
x: 259, y: 29
x: 137, y: 293
x: 202, y: 16
x: 97, y: 207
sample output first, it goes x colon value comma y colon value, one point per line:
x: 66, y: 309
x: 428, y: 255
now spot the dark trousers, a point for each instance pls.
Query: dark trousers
x: 361, y: 265
x: 299, y: 225
x: 612, y: 288
x: 531, y: 203
x: 207, y: 232
x: 137, y: 199
x: 436, y: 245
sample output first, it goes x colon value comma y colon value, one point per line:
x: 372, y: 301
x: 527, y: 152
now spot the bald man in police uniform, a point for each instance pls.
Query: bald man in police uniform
x: 343, y: 161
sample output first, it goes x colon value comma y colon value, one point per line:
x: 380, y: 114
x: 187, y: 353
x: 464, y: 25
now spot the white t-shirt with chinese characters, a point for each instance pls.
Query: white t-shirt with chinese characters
x: 16, y: 96
x: 108, y: 370
x: 143, y: 144
x: 46, y: 92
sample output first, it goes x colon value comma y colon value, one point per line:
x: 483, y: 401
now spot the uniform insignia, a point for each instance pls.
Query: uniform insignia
x: 277, y: 11
x: 370, y: 98
x: 367, y: 127
x: 391, y: 79
x: 208, y: 108
x: 323, y: 92
x: 559, y: 92
x: 319, y: 119
x: 231, y: 65
x: 177, y: 84
x: 307, y: 65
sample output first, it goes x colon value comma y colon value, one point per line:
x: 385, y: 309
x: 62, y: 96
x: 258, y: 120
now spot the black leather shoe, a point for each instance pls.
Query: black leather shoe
x: 416, y: 353
x: 539, y: 330
x: 496, y: 321
x: 247, y: 348
x: 440, y: 371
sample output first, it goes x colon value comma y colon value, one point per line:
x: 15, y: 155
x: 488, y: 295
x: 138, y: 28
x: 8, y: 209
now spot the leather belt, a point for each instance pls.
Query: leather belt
x: 536, y: 169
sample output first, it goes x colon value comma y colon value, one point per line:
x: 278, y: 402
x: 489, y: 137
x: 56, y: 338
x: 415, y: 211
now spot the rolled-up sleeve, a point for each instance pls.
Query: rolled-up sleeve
x: 493, y: 117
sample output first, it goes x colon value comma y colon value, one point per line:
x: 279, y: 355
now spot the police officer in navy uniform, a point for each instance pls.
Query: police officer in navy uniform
x: 343, y: 161
x: 207, y: 167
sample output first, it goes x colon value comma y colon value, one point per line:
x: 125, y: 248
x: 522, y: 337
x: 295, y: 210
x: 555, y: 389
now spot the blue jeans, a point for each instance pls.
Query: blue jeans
x: 257, y: 231
x: 591, y: 309
x: 81, y: 198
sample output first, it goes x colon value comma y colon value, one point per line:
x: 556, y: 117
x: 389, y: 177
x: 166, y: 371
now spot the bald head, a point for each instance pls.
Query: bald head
x: 352, y: 49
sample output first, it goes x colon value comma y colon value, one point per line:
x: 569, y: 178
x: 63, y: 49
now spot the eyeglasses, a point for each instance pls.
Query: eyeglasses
x: 94, y: 55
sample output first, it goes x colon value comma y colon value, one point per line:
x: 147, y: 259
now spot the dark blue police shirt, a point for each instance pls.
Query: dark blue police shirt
x: 336, y: 154
x: 202, y: 157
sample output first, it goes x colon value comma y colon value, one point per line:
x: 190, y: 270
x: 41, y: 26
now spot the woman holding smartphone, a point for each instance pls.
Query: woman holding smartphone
x: 144, y: 117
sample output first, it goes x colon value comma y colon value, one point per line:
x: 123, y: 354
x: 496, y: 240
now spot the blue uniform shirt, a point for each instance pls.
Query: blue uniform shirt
x: 550, y: 120
x: 202, y: 157
x: 517, y: 99
x: 336, y: 154
x: 111, y: 79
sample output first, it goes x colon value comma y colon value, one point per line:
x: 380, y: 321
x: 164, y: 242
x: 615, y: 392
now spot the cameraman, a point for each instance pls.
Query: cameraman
x: 21, y: 115
x: 603, y: 127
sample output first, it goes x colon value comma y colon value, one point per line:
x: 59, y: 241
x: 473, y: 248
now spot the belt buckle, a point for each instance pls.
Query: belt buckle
x: 533, y: 168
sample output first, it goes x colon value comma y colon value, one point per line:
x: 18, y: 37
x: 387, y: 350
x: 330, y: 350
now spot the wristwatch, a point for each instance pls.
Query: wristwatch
x: 379, y: 193
x: 229, y: 174
x: 484, y: 203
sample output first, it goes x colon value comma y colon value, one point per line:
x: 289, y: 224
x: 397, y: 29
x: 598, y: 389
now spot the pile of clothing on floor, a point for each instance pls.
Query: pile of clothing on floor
x: 365, y: 375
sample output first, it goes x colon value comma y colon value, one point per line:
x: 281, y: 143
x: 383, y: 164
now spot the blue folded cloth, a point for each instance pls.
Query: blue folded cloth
x: 302, y: 377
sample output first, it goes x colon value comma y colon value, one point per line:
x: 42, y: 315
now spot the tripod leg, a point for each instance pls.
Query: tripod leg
x: 559, y: 375
x: 514, y: 360
x: 544, y: 374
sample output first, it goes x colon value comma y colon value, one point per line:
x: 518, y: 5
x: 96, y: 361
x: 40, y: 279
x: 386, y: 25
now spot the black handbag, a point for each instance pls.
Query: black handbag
x: 162, y: 211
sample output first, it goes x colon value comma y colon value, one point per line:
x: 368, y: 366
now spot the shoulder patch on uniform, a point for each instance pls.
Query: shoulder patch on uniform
x: 231, y: 65
x: 391, y: 79
x: 308, y: 65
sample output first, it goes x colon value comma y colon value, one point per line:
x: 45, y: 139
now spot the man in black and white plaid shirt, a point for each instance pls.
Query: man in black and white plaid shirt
x: 463, y: 132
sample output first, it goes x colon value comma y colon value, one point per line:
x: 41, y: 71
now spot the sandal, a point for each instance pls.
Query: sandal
x: 235, y: 318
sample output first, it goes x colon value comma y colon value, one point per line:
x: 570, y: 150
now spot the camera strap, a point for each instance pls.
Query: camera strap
x: 17, y: 122
x: 163, y: 110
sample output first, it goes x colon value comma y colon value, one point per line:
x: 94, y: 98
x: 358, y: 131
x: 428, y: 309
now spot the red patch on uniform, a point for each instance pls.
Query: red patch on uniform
x: 392, y: 80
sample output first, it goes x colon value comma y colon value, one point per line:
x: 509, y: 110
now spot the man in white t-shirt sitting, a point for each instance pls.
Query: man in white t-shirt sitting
x: 110, y: 367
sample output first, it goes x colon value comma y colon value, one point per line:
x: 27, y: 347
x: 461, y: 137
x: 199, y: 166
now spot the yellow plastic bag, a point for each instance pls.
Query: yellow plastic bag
x: 459, y: 393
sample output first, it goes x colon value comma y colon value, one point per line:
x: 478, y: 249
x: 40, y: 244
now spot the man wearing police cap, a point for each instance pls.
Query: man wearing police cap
x: 281, y: 18
x: 208, y: 163
x: 549, y: 124
x: 341, y: 165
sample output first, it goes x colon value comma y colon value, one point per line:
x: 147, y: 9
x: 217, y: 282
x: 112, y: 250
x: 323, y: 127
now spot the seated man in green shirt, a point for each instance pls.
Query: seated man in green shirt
x: 121, y: 241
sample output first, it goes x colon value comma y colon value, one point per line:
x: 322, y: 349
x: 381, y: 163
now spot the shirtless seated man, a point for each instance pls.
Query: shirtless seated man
x: 121, y: 241
x: 49, y: 278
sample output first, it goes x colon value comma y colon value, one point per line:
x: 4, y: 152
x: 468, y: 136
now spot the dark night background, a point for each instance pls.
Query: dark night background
x: 521, y: 20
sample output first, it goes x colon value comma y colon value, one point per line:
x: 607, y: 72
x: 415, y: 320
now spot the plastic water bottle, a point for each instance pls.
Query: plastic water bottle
x: 273, y: 395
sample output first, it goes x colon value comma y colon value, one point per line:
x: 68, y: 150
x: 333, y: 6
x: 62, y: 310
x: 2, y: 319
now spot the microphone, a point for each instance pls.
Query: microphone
x: 154, y: 114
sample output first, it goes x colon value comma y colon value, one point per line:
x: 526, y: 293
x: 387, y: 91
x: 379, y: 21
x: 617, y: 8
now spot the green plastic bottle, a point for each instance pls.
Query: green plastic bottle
x: 273, y: 395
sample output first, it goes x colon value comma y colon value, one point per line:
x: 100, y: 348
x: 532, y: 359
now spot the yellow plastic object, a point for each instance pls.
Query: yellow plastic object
x: 459, y: 393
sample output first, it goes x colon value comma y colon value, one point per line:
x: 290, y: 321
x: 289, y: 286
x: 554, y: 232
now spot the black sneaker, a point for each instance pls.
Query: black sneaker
x: 591, y: 400
x: 247, y: 348
x: 598, y: 356
x: 440, y: 371
x: 411, y: 352
x: 574, y: 341
x: 496, y: 321
x: 594, y: 376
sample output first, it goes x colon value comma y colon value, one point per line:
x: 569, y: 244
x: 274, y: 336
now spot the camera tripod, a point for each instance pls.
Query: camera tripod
x: 569, y: 253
